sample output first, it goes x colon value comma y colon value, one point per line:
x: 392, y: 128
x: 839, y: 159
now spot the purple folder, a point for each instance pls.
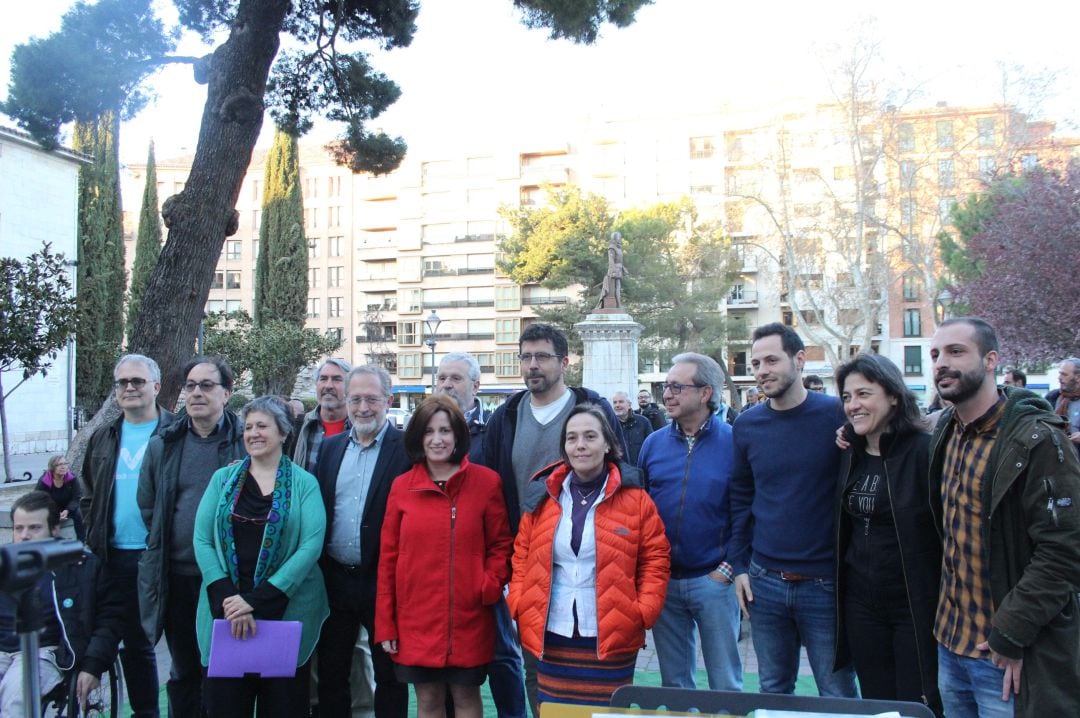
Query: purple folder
x: 271, y: 653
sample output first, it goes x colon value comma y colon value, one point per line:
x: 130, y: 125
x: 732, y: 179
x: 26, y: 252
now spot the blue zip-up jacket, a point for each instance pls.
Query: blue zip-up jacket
x: 689, y: 486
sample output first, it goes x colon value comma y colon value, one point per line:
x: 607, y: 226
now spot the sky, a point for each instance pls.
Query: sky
x: 473, y: 73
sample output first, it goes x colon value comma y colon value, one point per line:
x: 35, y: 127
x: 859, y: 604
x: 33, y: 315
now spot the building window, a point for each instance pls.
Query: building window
x: 232, y: 249
x: 987, y: 168
x: 410, y: 301
x: 1029, y: 162
x: 409, y: 365
x: 907, y: 211
x: 507, y: 298
x: 334, y: 276
x: 946, y: 174
x: 256, y: 219
x: 255, y: 249
x: 788, y: 317
x: 907, y: 175
x: 945, y: 135
x: 335, y: 217
x: 335, y: 333
x: 232, y: 280
x: 232, y: 305
x: 312, y: 248
x: 945, y: 208
x: 906, y: 137
x: 913, y: 361
x: 986, y: 127
x: 313, y: 278
x: 256, y: 190
x: 911, y: 287
x: 311, y: 187
x: 215, y: 305
x: 337, y: 245
x: 333, y: 307
x: 313, y: 307
x: 809, y: 316
x: 507, y: 364
x: 912, y: 323
x: 218, y: 281
x: 486, y: 361
x: 701, y: 148
x: 409, y: 334
x: 311, y: 218
x: 507, y: 331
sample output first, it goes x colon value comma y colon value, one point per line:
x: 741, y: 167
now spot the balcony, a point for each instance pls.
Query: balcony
x: 746, y: 297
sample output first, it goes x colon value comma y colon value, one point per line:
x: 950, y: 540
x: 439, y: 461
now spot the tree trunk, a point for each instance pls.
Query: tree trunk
x: 203, y: 214
x: 108, y: 413
x: 4, y: 431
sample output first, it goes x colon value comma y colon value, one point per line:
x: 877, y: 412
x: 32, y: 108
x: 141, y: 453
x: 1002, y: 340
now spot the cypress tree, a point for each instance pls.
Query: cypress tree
x: 147, y: 243
x: 100, y: 291
x: 282, y: 267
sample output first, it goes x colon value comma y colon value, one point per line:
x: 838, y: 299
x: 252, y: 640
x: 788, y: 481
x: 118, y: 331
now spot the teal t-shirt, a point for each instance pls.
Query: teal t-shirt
x: 129, y: 529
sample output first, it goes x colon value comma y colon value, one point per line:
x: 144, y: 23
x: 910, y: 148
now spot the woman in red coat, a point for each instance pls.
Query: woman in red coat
x: 591, y: 566
x: 444, y: 560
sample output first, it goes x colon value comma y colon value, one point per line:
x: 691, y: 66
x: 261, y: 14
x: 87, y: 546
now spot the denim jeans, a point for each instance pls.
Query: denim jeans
x: 505, y: 672
x: 787, y: 614
x: 713, y: 607
x: 971, y: 687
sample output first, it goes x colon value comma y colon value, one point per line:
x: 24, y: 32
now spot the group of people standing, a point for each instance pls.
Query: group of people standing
x: 942, y: 569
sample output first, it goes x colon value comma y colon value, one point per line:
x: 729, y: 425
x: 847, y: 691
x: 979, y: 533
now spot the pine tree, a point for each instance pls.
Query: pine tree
x: 282, y: 266
x: 101, y: 259
x: 148, y: 242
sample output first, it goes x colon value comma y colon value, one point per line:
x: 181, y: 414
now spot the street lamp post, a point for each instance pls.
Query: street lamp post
x: 432, y: 323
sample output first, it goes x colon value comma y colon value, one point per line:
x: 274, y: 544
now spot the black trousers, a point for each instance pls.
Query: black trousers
x: 137, y: 654
x: 185, y: 678
x: 264, y: 697
x: 890, y: 662
x: 348, y: 611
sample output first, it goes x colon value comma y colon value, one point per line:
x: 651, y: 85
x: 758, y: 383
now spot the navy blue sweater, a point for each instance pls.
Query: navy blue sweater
x: 783, y: 486
x: 690, y: 489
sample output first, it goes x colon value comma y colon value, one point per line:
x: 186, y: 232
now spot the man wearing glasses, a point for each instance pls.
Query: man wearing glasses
x: 175, y: 472
x: 355, y: 471
x: 688, y: 467
x: 115, y: 529
x: 523, y: 433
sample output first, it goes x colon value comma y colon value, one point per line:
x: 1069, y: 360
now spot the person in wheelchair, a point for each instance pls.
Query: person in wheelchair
x: 81, y: 618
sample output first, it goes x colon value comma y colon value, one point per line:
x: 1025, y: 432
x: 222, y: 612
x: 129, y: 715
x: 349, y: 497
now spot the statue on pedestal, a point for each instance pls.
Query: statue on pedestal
x: 611, y: 289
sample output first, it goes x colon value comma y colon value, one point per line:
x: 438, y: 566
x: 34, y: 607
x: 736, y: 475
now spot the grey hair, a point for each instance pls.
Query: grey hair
x: 474, y: 366
x: 274, y: 407
x: 149, y: 364
x: 623, y: 394
x: 1075, y: 361
x: 708, y: 373
x: 341, y: 364
x: 374, y: 370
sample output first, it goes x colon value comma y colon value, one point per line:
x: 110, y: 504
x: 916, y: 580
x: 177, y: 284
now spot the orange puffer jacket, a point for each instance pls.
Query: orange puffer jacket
x: 632, y: 561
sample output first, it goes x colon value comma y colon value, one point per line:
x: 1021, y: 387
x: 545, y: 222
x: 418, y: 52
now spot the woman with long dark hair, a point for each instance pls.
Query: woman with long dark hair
x: 888, y: 552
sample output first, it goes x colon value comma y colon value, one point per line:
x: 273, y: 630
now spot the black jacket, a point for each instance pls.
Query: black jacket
x: 635, y: 429
x: 392, y: 462
x: 655, y: 415
x: 99, y: 478
x: 498, y: 453
x: 1032, y: 549
x: 906, y: 461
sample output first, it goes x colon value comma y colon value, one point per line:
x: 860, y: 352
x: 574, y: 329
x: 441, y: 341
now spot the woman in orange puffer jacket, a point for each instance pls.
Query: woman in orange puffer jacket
x: 590, y: 566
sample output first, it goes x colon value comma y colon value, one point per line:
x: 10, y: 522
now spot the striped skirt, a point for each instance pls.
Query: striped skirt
x: 570, y: 672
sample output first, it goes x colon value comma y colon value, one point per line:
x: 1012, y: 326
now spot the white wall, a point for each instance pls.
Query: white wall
x: 38, y: 202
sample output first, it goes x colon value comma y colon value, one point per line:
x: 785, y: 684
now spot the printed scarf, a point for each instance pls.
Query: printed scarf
x: 280, y: 504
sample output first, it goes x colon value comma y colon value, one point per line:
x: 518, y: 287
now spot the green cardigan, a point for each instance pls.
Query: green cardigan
x: 298, y: 577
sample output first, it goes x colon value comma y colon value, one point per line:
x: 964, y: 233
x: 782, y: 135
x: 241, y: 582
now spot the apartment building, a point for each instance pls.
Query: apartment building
x: 835, y: 229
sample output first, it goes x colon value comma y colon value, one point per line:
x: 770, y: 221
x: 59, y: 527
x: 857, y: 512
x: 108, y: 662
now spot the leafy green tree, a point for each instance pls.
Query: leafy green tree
x: 318, y: 75
x: 281, y: 270
x: 37, y: 318
x: 101, y: 259
x: 264, y: 351
x: 147, y: 243
x: 677, y: 269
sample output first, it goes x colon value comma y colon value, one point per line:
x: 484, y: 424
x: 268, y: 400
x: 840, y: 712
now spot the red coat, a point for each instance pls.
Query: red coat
x: 632, y: 564
x: 443, y: 561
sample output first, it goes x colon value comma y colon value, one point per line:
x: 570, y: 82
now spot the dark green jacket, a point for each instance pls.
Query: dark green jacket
x: 1031, y: 535
x: 158, y: 479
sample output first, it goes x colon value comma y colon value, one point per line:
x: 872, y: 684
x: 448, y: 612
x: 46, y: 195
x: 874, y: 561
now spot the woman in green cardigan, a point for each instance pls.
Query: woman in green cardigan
x: 258, y: 536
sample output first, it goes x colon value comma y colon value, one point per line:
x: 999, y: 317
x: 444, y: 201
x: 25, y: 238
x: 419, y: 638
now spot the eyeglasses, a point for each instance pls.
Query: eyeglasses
x: 369, y: 400
x: 247, y: 520
x: 135, y: 383
x: 206, y: 385
x: 676, y: 388
x: 540, y: 357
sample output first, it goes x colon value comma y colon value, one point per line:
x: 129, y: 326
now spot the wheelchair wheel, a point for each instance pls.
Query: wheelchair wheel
x: 107, y: 701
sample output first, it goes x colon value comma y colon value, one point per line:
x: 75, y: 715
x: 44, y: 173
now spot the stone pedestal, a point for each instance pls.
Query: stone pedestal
x: 610, y: 361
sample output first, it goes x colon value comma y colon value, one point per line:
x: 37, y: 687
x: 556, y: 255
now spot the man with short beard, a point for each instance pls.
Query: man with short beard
x: 1007, y: 625
x: 328, y: 419
x: 782, y: 517
x: 1066, y: 400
